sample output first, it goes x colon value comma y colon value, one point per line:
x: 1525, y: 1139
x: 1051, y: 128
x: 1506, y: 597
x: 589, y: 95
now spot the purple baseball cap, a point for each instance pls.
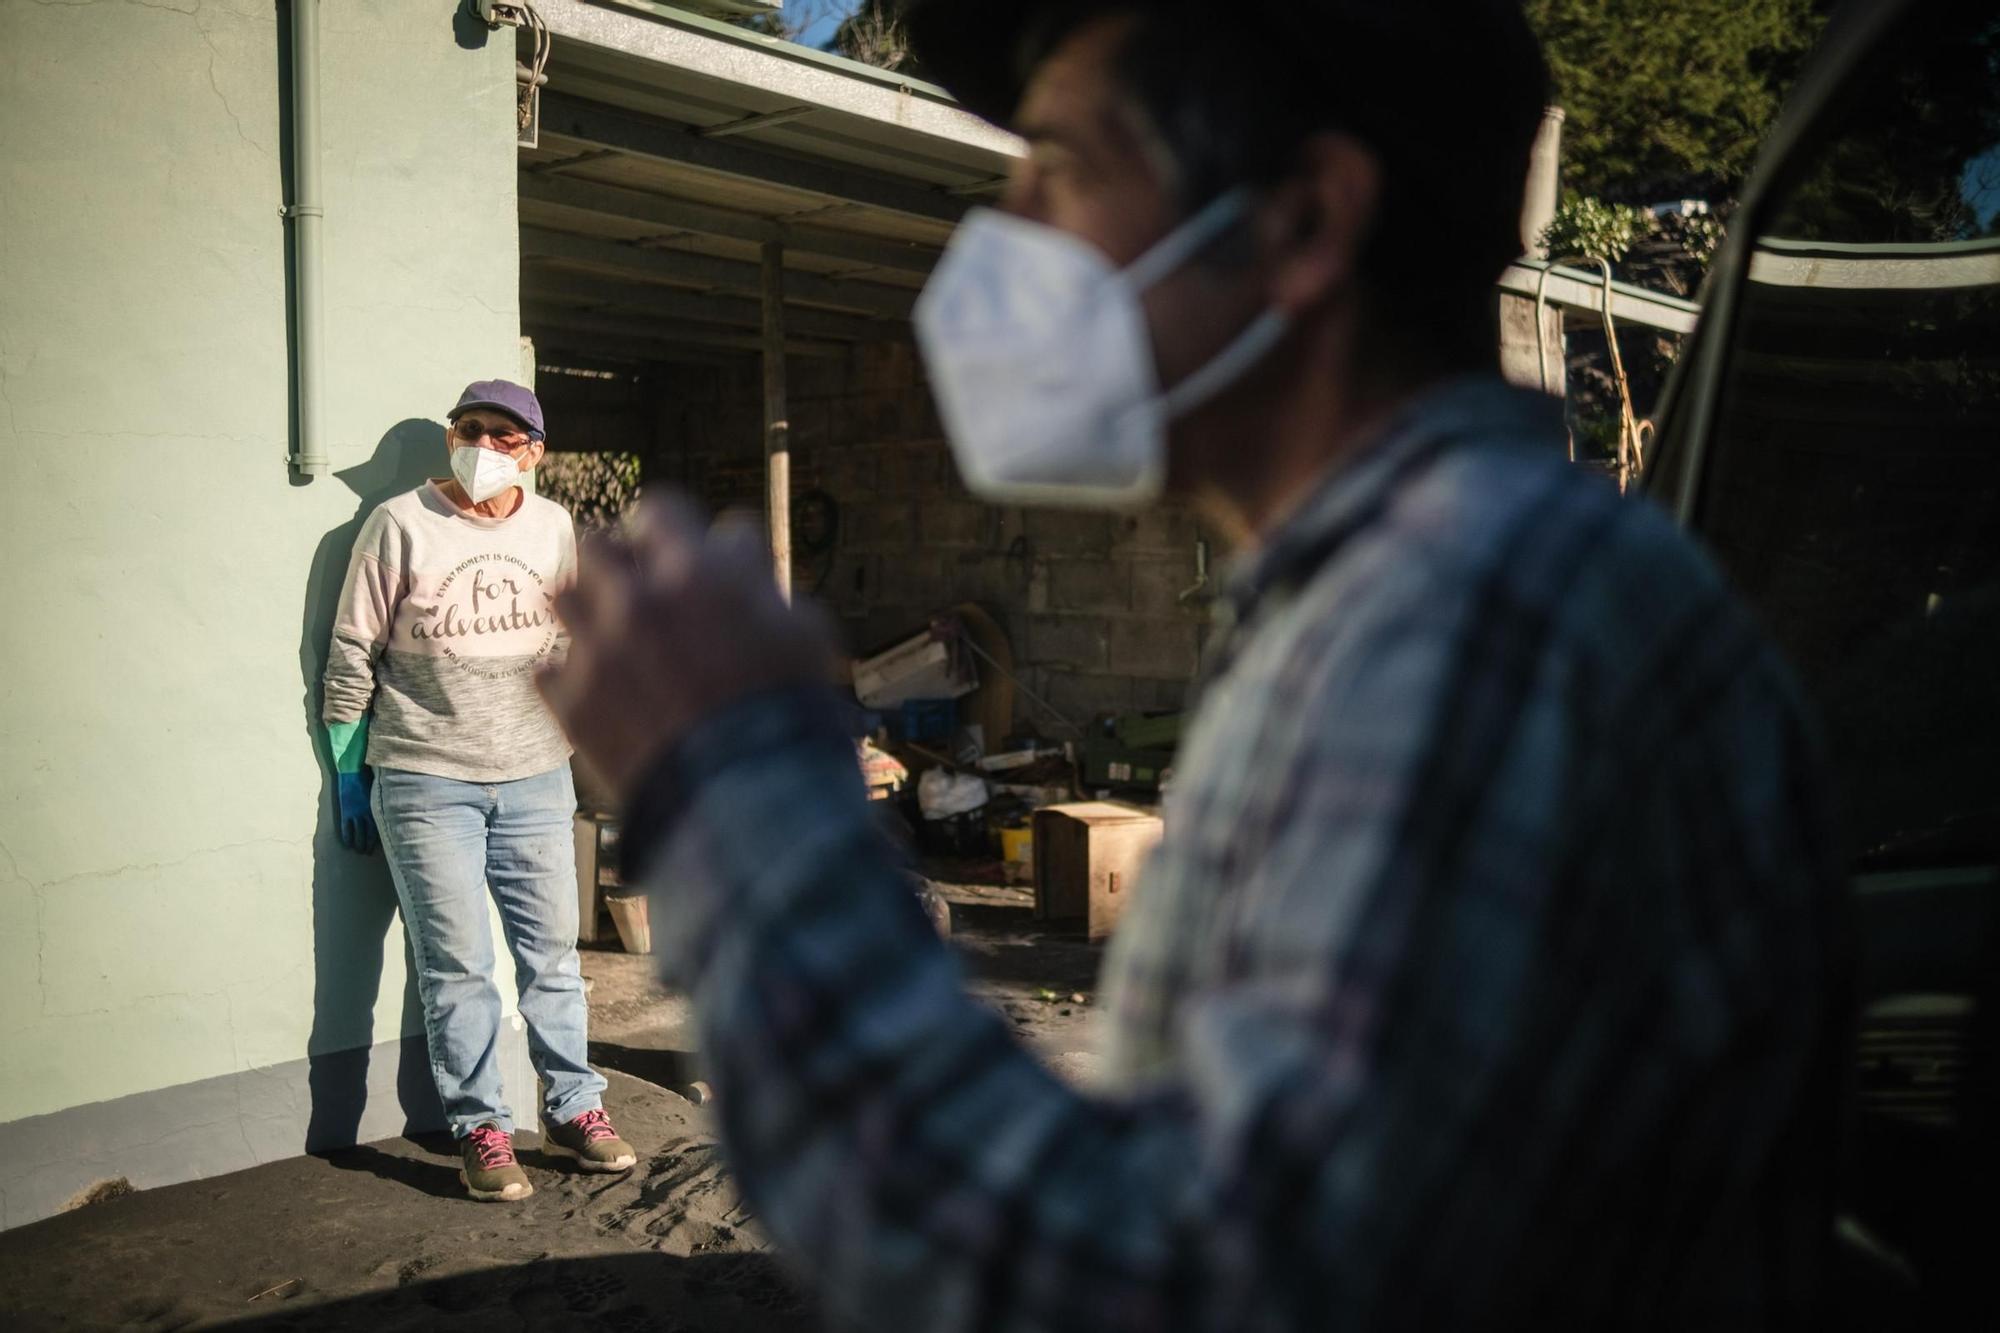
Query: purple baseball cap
x: 502, y: 396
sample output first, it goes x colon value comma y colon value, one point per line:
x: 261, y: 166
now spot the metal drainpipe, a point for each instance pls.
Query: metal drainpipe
x: 307, y: 217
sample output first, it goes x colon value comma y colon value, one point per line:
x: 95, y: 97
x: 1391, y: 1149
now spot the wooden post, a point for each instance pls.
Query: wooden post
x: 777, y: 429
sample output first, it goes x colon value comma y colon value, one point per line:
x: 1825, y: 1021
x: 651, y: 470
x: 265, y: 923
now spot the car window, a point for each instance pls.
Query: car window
x: 1854, y: 477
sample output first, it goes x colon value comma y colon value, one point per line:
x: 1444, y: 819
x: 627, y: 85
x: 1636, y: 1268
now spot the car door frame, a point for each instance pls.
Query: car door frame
x: 1688, y: 405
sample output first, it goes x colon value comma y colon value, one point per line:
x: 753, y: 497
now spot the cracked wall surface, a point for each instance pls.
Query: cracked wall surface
x: 173, y: 907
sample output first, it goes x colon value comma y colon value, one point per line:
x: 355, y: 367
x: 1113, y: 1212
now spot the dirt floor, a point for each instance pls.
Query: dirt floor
x: 381, y: 1237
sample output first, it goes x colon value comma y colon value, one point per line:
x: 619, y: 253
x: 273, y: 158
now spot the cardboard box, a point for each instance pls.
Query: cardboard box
x: 1087, y: 861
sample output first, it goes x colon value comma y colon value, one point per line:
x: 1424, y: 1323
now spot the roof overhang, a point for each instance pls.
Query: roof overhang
x: 674, y: 148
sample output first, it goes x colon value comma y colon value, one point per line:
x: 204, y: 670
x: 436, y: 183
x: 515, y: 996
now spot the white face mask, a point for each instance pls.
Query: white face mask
x: 484, y: 473
x: 1043, y: 366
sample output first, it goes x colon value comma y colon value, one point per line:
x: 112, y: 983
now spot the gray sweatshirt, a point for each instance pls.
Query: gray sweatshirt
x: 442, y: 621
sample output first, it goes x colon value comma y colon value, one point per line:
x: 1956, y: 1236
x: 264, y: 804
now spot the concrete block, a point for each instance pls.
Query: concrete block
x: 1160, y: 695
x: 926, y: 424
x: 916, y: 584
x: 949, y: 523
x: 1090, y: 585
x: 843, y: 423
x: 847, y: 587
x: 903, y: 470
x: 815, y: 377
x: 881, y: 416
x: 1070, y: 532
x: 889, y: 525
x: 1075, y: 643
x: 1154, y: 649
x: 1083, y: 697
x: 1158, y: 582
x: 811, y: 426
x: 1159, y: 529
x: 847, y: 471
x: 1520, y: 362
x: 885, y: 367
x: 989, y: 578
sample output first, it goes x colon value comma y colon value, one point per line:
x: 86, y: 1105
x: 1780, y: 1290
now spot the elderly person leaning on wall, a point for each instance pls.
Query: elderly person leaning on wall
x: 446, y: 613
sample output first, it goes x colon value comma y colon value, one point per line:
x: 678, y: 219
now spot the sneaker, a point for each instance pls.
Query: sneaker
x: 490, y: 1172
x: 594, y: 1143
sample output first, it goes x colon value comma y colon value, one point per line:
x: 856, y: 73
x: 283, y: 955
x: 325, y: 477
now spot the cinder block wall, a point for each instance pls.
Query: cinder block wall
x: 1091, y: 602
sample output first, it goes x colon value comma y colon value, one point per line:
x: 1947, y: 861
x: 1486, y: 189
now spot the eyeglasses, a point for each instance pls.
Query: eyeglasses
x: 472, y: 432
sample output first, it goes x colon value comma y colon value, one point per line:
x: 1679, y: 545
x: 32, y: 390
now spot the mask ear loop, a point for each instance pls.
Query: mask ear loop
x: 1244, y: 351
x: 1229, y: 365
x: 1189, y: 239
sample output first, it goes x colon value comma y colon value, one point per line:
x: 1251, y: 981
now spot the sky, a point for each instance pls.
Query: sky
x: 824, y: 24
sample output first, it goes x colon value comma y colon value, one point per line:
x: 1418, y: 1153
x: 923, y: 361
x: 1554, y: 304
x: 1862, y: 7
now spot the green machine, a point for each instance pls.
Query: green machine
x: 1135, y: 751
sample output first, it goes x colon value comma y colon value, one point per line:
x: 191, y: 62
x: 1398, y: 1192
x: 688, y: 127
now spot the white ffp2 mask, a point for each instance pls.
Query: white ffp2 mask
x: 484, y: 473
x: 1042, y: 364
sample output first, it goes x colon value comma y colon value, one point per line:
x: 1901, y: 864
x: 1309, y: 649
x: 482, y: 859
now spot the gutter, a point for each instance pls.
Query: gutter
x: 773, y: 70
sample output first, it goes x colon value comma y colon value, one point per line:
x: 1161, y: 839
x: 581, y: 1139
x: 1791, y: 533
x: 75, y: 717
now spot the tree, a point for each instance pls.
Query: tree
x: 870, y: 31
x: 874, y: 35
x: 1669, y: 98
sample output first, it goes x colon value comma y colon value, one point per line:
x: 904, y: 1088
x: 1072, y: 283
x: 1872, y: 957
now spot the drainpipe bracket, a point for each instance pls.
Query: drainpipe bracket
x: 496, y: 14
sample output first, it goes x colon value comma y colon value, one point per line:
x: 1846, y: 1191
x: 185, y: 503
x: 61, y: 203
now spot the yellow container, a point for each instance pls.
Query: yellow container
x: 1017, y: 853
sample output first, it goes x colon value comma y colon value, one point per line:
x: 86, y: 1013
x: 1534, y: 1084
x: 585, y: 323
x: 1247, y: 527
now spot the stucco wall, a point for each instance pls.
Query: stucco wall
x: 174, y: 907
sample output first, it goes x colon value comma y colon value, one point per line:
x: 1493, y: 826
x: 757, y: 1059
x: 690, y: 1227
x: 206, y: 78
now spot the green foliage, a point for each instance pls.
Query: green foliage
x: 870, y: 31
x: 1695, y: 235
x: 1592, y: 229
x: 598, y: 489
x: 1669, y: 98
x: 874, y: 35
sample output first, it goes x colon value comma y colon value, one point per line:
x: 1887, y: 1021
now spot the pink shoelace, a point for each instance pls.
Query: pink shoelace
x: 596, y: 1126
x: 494, y: 1146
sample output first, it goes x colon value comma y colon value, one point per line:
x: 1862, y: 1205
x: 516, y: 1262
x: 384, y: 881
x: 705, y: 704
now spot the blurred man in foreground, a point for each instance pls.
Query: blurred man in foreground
x: 1487, y: 971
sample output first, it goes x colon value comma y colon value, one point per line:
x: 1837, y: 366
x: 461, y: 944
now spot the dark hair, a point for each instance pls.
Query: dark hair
x: 1449, y: 94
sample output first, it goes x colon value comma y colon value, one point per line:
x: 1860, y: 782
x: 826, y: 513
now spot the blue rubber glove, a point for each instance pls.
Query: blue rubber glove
x: 357, y: 821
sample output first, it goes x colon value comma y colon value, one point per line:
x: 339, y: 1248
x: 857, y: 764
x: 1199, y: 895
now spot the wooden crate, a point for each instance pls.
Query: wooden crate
x: 1087, y: 859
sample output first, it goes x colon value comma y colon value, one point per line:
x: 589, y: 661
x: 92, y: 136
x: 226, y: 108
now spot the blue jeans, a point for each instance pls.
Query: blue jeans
x: 448, y: 843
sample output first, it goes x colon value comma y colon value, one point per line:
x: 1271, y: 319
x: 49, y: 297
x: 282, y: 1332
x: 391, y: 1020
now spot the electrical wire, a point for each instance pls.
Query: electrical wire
x: 524, y: 107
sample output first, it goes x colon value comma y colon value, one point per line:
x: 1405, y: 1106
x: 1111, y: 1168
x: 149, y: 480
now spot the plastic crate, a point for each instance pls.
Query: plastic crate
x: 927, y: 719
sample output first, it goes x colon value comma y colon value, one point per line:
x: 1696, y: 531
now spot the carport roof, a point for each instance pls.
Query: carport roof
x: 674, y: 146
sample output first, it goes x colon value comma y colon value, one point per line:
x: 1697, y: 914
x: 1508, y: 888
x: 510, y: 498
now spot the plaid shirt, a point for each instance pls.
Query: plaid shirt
x: 1489, y: 971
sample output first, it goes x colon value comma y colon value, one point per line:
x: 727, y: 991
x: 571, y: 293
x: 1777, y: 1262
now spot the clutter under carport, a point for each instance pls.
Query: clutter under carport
x: 987, y: 790
x: 957, y: 778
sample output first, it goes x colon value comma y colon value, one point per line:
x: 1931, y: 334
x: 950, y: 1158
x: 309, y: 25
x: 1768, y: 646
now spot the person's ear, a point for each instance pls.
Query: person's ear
x: 537, y: 451
x: 1316, y: 225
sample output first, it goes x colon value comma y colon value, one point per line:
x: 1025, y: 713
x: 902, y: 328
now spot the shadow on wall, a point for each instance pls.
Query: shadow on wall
x: 354, y: 901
